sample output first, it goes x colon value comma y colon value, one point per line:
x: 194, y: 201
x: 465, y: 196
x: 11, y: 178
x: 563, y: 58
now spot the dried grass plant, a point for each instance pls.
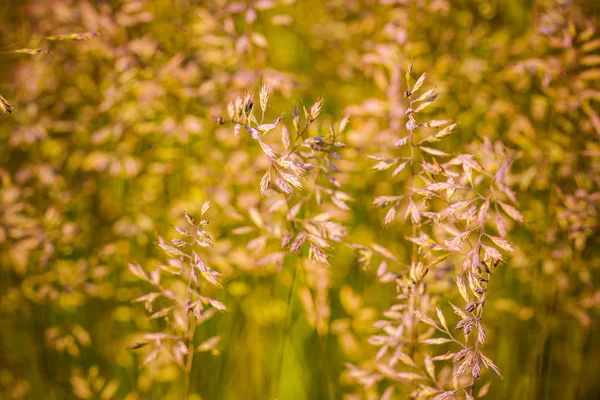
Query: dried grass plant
x: 301, y: 197
x: 460, y: 223
x: 187, y: 303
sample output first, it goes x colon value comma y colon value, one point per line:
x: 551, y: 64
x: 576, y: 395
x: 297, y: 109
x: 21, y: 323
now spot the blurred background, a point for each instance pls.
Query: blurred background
x: 112, y: 136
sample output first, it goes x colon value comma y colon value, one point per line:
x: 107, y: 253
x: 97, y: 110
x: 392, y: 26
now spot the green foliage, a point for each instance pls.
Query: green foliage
x: 356, y: 201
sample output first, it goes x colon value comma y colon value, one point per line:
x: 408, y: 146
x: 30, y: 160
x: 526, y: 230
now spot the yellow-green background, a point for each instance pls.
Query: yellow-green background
x: 143, y: 94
